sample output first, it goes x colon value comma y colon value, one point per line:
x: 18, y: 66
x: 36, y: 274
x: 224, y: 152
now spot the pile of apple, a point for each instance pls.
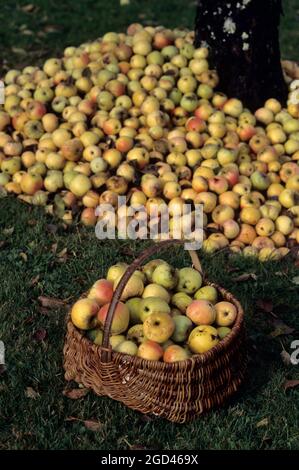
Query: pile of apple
x: 163, y: 314
x: 138, y: 114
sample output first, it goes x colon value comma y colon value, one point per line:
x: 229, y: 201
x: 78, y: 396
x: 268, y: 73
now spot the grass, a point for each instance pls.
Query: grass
x: 40, y: 257
x: 262, y: 415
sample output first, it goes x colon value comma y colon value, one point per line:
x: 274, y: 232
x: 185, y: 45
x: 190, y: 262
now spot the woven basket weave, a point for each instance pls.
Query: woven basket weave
x: 178, y: 391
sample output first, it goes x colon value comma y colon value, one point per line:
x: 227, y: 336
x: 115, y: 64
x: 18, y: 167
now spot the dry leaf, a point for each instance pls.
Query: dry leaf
x: 8, y: 231
x: 137, y: 447
x: 51, y: 28
x: 18, y: 50
x: 40, y: 334
x: 35, y: 280
x: 92, y: 425
x: 51, y: 228
x: 24, y: 256
x: 263, y: 422
x: 265, y: 305
x: 290, y: 384
x: 245, y: 277
x: 295, y: 280
x: 286, y: 358
x: 75, y: 393
x: 31, y: 393
x: 281, y: 329
x: 50, y: 302
x: 29, y: 8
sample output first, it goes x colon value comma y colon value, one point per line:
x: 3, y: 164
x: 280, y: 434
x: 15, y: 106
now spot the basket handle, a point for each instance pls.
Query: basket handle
x: 156, y: 248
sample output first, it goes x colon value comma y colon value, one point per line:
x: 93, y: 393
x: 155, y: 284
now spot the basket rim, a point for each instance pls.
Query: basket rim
x: 195, y: 359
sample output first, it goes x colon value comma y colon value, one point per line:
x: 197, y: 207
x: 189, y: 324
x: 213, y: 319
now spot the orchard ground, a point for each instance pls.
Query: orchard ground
x: 39, y: 256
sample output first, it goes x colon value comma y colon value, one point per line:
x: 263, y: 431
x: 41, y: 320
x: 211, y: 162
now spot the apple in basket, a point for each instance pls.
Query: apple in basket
x: 120, y: 320
x: 159, y: 327
x: 150, y: 350
x: 84, y: 314
x: 226, y: 313
x: 203, y: 338
x: 101, y: 292
x: 201, y: 312
x: 175, y: 353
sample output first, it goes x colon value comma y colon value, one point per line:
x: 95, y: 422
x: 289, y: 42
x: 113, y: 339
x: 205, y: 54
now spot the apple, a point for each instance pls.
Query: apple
x: 133, y: 305
x: 30, y: 184
x: 231, y: 229
x: 79, y: 185
x: 201, y: 312
x: 115, y: 271
x: 284, y: 224
x: 165, y: 275
x: 84, y: 314
x: 226, y: 313
x: 96, y: 336
x: 150, y: 350
x: 202, y: 339
x: 101, y: 292
x: 250, y: 215
x: 223, y: 331
x: 222, y: 213
x: 135, y: 333
x: 175, y: 353
x: 116, y: 340
x: 208, y: 293
x: 181, y: 300
x: 155, y: 290
x: 265, y: 227
x: 183, y: 326
x: 120, y: 320
x: 151, y: 305
x: 287, y: 198
x: 189, y: 280
x: 127, y: 347
x: 260, y: 180
x: 133, y: 288
x: 158, y: 327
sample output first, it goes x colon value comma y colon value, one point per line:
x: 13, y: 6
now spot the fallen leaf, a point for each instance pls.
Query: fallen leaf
x: 51, y: 28
x: 52, y: 228
x: 265, y: 305
x: 40, y: 334
x: 24, y: 256
x: 92, y: 425
x: 18, y: 50
x: 50, y: 302
x: 245, y: 277
x: 29, y: 8
x: 8, y: 231
x: 35, y: 280
x: 31, y: 393
x: 2, y: 368
x: 62, y: 255
x: 263, y: 422
x: 295, y: 280
x: 137, y: 447
x: 290, y: 384
x: 281, y: 329
x: 75, y: 393
x: 32, y: 222
x: 286, y: 358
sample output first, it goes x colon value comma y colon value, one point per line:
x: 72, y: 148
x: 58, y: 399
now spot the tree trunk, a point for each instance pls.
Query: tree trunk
x: 243, y: 37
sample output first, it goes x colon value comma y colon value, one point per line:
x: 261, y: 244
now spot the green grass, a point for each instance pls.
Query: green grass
x: 31, y: 37
x: 29, y: 248
x: 29, y: 251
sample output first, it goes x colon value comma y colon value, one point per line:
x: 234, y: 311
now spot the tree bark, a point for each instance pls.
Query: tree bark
x: 243, y: 38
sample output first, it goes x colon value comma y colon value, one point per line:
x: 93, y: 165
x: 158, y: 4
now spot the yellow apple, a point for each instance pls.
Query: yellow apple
x: 84, y: 314
x: 226, y: 313
x: 202, y: 339
x: 158, y: 327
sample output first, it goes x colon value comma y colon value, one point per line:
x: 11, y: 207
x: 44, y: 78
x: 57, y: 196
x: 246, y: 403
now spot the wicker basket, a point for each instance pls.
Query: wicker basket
x: 177, y: 391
